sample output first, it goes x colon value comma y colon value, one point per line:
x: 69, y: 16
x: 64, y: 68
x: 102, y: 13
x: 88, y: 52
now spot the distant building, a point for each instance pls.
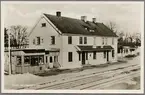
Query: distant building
x: 127, y: 49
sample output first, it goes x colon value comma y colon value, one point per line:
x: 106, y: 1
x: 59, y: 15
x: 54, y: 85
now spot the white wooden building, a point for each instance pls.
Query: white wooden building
x: 69, y: 42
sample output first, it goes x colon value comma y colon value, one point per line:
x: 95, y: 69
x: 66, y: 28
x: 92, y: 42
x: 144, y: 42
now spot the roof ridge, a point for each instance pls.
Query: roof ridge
x: 70, y: 18
x: 62, y: 16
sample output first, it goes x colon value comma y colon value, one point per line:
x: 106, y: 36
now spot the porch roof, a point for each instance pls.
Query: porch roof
x: 97, y: 48
x: 33, y: 50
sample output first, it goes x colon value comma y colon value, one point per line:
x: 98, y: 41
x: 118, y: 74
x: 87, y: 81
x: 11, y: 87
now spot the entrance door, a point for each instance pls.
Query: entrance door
x: 83, y: 58
x: 107, y: 55
x: 34, y: 61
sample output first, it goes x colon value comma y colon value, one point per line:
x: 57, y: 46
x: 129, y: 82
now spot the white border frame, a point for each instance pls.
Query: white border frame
x: 72, y: 91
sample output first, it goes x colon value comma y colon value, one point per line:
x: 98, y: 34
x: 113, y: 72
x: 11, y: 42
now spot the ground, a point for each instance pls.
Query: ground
x: 20, y: 81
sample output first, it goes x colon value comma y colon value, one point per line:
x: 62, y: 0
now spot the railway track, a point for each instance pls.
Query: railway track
x: 93, y: 80
x: 108, y: 82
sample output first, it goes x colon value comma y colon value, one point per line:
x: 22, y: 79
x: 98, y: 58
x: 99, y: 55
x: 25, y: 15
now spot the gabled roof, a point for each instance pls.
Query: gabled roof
x: 76, y: 26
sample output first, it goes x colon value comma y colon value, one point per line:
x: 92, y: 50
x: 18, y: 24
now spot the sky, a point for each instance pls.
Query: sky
x: 126, y: 16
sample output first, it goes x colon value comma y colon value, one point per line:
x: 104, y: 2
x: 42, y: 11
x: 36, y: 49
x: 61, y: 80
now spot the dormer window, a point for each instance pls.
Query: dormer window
x: 86, y: 28
x: 43, y: 24
x: 91, y: 30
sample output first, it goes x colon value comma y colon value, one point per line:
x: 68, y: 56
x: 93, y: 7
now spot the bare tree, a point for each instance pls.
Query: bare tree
x: 5, y: 37
x: 120, y: 37
x: 112, y: 26
x: 137, y: 38
x: 18, y: 36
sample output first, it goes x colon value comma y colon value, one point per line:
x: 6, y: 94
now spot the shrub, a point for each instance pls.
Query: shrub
x: 129, y: 56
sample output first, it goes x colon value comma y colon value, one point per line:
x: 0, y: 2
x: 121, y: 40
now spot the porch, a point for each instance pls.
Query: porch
x: 93, y: 55
x: 33, y: 60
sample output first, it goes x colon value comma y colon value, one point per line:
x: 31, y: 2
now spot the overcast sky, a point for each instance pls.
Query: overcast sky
x: 127, y: 16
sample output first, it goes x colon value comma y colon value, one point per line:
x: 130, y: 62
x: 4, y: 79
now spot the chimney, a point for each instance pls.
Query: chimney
x: 58, y: 13
x: 94, y: 20
x: 84, y: 18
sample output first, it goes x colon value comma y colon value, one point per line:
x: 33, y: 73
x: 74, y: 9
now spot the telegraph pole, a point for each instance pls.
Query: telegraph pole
x: 10, y: 71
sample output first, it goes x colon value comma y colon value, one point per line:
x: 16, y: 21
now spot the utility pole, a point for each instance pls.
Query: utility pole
x: 10, y: 71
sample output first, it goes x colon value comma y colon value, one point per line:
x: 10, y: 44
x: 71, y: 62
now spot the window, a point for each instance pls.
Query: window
x: 112, y: 41
x: 69, y: 56
x: 103, y: 41
x: 81, y: 40
x: 19, y: 60
x: 55, y: 58
x: 33, y: 41
x: 38, y: 40
x: 94, y: 41
x: 34, y: 60
x: 94, y: 55
x: 118, y: 50
x: 104, y: 54
x: 121, y: 50
x: 106, y: 41
x: 41, y: 59
x: 112, y: 53
x: 42, y: 40
x: 50, y: 59
x: 85, y: 40
x: 43, y: 25
x: 126, y: 50
x: 52, y: 40
x: 86, y: 55
x: 69, y: 40
x: 26, y: 59
x: 79, y: 56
